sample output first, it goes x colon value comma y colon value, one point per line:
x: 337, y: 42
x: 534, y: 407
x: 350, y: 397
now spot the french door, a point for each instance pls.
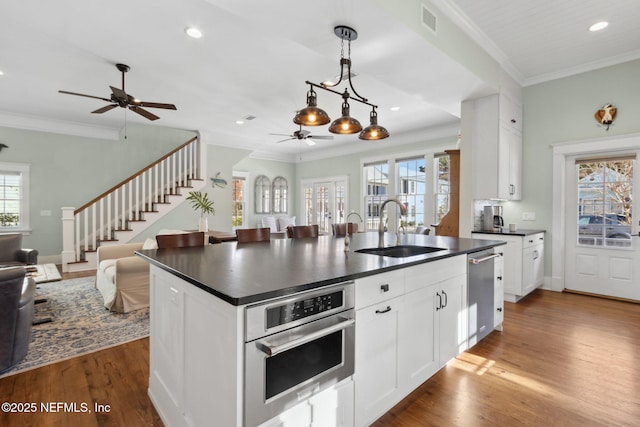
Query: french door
x: 325, y: 202
x: 602, y: 245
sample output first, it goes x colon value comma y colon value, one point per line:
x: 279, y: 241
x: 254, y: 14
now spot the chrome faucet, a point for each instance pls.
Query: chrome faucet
x: 403, y: 211
x: 347, y: 220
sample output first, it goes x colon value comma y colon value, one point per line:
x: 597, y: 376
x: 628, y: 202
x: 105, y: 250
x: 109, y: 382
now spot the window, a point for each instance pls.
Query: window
x: 411, y: 176
x: 442, y: 184
x: 279, y: 193
x: 263, y: 195
x: 238, y: 202
x: 14, y: 196
x: 605, y: 194
x: 377, y: 180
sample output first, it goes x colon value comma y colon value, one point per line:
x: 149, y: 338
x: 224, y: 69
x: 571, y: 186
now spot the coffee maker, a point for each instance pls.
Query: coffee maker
x: 492, y: 218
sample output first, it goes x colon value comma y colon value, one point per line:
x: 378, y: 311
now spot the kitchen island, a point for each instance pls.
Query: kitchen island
x: 199, y: 297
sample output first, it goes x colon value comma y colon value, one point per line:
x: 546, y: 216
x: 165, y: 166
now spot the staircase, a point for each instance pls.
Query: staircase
x: 127, y: 209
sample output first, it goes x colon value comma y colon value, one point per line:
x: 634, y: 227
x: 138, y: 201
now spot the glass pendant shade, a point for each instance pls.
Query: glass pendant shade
x: 311, y: 115
x: 374, y: 131
x: 345, y: 125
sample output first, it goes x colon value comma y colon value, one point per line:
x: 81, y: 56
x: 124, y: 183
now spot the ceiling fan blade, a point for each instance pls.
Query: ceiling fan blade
x: 82, y: 94
x: 143, y: 113
x: 156, y: 105
x: 281, y: 134
x: 105, y: 109
x: 320, y: 136
x: 283, y: 140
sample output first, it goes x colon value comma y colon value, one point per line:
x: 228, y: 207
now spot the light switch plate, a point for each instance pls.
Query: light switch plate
x: 528, y: 216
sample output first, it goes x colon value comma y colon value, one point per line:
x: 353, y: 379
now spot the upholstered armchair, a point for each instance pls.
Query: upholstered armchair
x: 122, y: 277
x: 16, y: 315
x: 12, y: 252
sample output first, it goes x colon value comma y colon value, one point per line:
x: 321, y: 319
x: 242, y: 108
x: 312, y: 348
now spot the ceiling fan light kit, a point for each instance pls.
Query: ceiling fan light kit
x: 120, y: 98
x: 312, y: 115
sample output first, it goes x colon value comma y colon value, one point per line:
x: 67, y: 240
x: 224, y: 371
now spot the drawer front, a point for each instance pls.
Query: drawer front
x: 422, y: 275
x: 380, y: 287
x: 532, y: 240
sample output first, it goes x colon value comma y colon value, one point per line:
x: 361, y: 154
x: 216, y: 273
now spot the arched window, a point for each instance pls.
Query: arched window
x: 263, y: 195
x: 280, y: 195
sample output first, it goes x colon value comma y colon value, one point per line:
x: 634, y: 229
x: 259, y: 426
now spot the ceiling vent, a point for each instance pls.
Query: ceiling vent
x: 428, y: 19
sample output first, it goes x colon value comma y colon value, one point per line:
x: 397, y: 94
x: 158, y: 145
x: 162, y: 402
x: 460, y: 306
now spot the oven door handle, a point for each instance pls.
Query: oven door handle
x: 272, y: 350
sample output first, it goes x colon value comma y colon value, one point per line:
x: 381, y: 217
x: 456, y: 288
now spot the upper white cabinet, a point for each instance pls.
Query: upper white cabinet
x: 497, y: 148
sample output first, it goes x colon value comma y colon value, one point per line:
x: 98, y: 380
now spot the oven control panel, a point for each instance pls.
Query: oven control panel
x: 296, y: 310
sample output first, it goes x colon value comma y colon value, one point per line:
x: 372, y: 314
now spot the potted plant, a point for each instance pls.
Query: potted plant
x: 200, y: 202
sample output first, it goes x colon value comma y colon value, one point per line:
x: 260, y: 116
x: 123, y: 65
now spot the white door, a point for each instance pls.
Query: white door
x: 602, y: 247
x: 325, y: 203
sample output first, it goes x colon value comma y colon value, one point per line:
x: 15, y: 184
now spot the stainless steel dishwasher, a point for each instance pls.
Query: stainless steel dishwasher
x: 481, y: 299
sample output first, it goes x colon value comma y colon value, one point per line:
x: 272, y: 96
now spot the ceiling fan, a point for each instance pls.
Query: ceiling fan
x: 119, y: 98
x: 303, y: 135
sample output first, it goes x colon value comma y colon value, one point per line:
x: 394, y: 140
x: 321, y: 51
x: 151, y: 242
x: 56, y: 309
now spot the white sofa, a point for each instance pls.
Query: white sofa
x: 122, y: 277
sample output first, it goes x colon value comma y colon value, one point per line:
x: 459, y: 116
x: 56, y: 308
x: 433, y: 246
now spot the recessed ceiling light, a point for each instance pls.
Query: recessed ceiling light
x: 239, y: 122
x: 193, y: 32
x: 394, y: 108
x: 599, y: 26
x: 1, y: 73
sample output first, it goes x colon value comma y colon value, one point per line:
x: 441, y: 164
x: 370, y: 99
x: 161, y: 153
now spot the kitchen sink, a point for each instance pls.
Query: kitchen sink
x: 401, y: 251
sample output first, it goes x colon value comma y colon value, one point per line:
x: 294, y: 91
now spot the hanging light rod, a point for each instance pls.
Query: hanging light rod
x: 312, y: 115
x: 362, y: 100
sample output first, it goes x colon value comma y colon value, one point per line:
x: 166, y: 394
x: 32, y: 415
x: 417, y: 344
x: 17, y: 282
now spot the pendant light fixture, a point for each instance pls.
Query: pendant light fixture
x: 374, y: 131
x: 312, y: 115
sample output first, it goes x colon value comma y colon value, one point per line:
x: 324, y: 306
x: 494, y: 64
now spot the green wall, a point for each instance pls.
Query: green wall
x: 69, y: 171
x: 563, y: 110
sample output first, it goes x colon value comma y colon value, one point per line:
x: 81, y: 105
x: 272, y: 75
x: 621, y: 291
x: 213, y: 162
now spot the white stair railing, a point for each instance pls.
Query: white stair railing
x: 115, y: 209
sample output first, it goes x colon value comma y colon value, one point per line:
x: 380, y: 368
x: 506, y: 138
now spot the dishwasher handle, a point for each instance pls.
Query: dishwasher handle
x: 479, y: 260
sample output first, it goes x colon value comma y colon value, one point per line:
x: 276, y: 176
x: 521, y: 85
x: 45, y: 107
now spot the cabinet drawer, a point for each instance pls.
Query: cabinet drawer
x: 379, y: 287
x: 532, y: 240
x: 426, y: 274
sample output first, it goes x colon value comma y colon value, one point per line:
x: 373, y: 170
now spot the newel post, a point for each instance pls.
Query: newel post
x: 68, y: 227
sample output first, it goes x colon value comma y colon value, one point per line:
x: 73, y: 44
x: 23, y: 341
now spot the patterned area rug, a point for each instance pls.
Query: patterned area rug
x: 80, y: 324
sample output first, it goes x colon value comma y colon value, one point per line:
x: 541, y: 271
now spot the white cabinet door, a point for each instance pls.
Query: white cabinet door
x: 533, y: 268
x: 452, y: 323
x: 333, y: 407
x: 376, y: 360
x: 418, y: 356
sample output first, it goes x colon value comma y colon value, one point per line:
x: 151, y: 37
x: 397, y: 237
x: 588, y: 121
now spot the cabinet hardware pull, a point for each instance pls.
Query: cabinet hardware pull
x: 385, y: 287
x: 446, y: 299
x: 479, y: 260
x: 499, y: 308
x: 513, y: 120
x: 386, y: 310
x: 499, y: 277
x: 439, y: 301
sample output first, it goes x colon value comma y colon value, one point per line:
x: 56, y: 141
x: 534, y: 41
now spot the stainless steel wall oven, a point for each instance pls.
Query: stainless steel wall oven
x: 296, y: 347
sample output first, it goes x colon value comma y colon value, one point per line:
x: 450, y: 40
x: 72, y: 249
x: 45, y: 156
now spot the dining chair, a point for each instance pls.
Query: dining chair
x: 298, y: 231
x: 247, y: 235
x: 423, y: 230
x: 182, y: 240
x: 341, y: 228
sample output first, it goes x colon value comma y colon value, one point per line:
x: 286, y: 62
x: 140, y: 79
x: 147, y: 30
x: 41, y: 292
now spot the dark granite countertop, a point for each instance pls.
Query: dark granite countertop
x: 505, y: 231
x: 243, y: 273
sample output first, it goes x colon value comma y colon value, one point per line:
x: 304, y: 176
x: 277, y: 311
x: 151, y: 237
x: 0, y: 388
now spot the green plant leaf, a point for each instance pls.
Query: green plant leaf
x: 201, y: 202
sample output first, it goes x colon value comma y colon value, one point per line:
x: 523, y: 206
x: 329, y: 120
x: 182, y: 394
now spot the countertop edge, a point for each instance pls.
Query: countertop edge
x: 259, y: 297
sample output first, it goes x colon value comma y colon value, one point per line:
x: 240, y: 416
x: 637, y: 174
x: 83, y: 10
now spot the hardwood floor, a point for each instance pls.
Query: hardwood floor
x: 562, y: 360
